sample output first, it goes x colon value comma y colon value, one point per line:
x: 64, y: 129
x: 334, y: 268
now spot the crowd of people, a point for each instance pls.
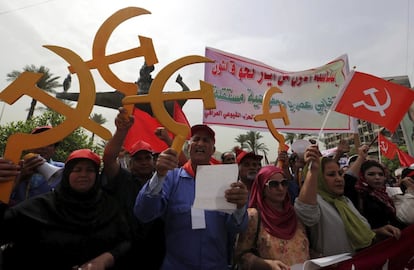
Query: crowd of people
x: 132, y: 208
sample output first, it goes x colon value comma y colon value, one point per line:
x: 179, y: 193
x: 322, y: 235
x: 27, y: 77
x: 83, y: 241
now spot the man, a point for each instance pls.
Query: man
x: 404, y: 203
x: 124, y: 184
x: 228, y: 158
x: 249, y: 166
x: 195, y: 238
x: 30, y: 182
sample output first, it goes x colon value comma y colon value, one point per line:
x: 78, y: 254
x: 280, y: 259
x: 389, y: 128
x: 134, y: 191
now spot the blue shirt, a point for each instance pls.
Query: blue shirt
x: 38, y: 185
x: 171, y: 198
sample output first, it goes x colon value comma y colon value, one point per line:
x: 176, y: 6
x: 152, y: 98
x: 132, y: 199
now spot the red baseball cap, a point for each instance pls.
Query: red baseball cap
x: 85, y: 153
x: 205, y: 128
x: 140, y: 146
x: 243, y: 154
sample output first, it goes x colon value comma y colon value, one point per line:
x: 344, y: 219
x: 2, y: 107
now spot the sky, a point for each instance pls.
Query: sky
x: 295, y: 35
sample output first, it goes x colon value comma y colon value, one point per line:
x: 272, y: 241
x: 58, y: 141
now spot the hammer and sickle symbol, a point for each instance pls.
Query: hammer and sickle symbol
x: 384, y: 146
x: 26, y: 84
x: 268, y: 117
x: 101, y: 61
x: 156, y: 98
x: 377, y: 107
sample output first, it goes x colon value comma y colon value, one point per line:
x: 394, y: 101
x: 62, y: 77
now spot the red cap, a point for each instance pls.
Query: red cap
x: 84, y: 153
x: 40, y: 129
x: 243, y: 154
x: 140, y: 146
x: 205, y: 128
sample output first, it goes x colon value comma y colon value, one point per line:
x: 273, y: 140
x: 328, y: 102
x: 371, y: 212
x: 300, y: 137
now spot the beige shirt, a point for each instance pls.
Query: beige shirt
x: 290, y: 252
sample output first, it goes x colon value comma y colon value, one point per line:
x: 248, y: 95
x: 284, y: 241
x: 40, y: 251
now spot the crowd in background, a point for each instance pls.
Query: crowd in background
x: 132, y: 209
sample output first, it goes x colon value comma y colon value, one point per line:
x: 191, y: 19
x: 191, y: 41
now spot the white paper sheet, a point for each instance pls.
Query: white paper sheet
x: 321, y: 262
x: 211, y: 182
x: 198, y: 220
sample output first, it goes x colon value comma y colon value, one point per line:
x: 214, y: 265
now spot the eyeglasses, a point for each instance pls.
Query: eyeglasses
x: 276, y: 184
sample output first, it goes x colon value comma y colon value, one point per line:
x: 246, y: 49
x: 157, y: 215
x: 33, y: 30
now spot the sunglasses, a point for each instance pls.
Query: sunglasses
x: 276, y: 184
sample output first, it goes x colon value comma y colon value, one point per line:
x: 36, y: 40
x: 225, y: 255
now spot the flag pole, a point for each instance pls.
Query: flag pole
x: 379, y: 150
x: 357, y: 141
x: 375, y: 140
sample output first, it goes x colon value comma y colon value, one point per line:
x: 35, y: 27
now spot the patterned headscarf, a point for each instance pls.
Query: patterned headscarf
x: 279, y: 224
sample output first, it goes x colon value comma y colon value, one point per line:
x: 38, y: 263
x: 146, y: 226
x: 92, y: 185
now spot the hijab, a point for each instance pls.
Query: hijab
x: 378, y: 194
x: 66, y: 207
x: 281, y: 224
x: 359, y: 233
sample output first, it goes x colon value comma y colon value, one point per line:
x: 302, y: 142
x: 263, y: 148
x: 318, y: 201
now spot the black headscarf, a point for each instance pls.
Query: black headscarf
x: 67, y: 207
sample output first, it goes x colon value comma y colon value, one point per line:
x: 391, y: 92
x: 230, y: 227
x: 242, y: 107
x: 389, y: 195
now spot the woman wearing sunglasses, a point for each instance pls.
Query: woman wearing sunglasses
x: 275, y: 238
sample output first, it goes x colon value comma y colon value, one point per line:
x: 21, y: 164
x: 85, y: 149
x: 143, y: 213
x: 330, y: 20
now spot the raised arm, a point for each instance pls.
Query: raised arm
x: 342, y: 148
x: 123, y: 122
x: 355, y: 167
x: 308, y: 191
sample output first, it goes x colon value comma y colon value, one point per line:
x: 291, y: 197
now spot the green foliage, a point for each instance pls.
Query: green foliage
x: 76, y: 140
x: 250, y: 141
x: 393, y: 164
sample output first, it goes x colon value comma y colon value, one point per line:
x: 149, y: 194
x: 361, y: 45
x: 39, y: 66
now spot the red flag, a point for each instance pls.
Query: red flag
x: 145, y: 125
x: 389, y: 253
x: 373, y: 99
x: 405, y: 159
x: 388, y: 149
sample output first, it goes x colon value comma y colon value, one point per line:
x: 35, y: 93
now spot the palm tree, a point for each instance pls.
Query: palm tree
x: 250, y: 141
x: 98, y: 118
x: 242, y: 138
x: 47, y: 83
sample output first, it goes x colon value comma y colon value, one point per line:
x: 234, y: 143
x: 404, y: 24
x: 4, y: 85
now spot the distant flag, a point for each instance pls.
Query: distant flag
x: 387, y: 148
x: 405, y: 159
x: 373, y: 99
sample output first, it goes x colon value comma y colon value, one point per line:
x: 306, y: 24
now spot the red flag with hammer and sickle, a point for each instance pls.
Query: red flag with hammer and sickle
x: 374, y: 99
x: 387, y: 148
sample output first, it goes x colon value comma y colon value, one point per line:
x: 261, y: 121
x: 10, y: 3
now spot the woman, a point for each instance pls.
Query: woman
x: 366, y: 181
x: 77, y: 226
x: 281, y: 239
x: 335, y: 225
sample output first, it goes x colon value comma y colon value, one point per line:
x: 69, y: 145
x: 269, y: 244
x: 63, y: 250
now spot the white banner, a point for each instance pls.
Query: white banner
x: 240, y: 84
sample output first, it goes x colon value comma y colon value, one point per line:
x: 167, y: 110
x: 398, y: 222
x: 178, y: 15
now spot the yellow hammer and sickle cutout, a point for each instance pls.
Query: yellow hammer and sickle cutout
x: 101, y: 61
x: 268, y: 117
x: 26, y: 84
x: 156, y: 98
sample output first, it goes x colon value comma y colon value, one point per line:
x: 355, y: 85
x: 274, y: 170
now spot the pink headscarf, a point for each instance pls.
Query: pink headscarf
x: 279, y: 224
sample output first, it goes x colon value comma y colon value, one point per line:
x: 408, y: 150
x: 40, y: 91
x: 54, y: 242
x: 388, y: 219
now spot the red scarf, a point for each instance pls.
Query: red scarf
x: 380, y: 194
x: 279, y: 224
x: 189, y: 169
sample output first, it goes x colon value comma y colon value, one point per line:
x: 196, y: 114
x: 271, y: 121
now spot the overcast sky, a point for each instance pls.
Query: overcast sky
x: 377, y: 35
